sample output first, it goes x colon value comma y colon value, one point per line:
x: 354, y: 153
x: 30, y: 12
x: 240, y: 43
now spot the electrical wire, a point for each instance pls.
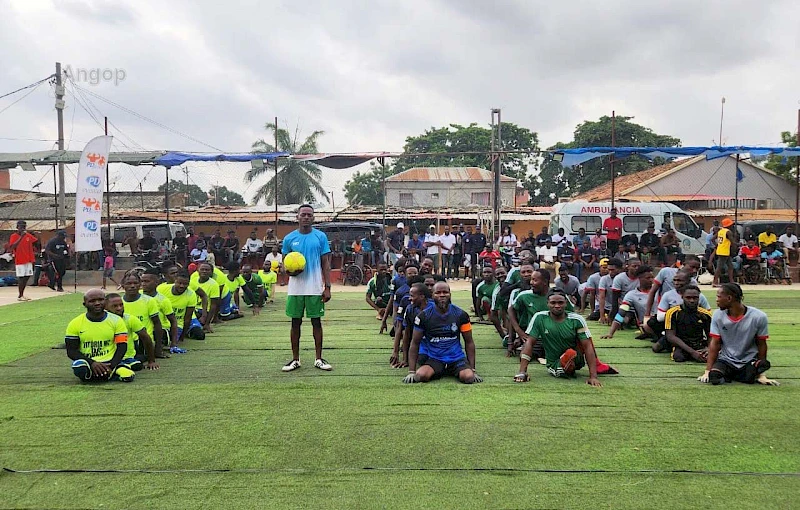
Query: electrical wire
x: 34, y: 84
x: 23, y: 97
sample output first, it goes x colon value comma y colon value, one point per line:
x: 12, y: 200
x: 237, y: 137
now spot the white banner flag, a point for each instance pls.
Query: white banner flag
x: 89, y: 194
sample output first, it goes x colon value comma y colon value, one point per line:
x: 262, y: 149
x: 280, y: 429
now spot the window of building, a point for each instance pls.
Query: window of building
x: 406, y: 200
x: 590, y: 223
x: 481, y: 198
x: 434, y: 196
x: 636, y: 224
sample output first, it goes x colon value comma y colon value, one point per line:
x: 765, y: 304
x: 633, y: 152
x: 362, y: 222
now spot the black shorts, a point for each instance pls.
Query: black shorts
x: 441, y: 369
x: 747, y: 374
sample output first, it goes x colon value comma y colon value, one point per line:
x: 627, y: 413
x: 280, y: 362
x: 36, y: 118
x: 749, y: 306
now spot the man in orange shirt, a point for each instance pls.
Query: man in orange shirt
x: 21, y: 244
x: 613, y: 227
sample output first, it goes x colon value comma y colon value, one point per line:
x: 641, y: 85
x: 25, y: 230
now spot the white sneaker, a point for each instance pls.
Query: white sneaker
x: 292, y: 365
x: 323, y: 365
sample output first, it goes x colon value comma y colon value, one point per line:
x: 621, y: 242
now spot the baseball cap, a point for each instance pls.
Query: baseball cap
x: 400, y: 225
x: 603, y: 262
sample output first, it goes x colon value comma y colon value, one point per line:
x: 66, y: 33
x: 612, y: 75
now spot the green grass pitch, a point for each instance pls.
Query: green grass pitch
x: 223, y: 427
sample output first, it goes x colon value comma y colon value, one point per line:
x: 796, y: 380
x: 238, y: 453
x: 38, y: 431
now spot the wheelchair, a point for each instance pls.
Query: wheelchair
x: 753, y: 274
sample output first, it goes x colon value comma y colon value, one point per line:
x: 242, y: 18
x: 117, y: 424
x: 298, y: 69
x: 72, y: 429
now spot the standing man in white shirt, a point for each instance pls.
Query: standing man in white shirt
x: 788, y: 243
x: 448, y: 243
x: 434, y: 246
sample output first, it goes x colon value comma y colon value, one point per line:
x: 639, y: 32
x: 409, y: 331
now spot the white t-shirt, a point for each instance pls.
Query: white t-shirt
x: 448, y: 241
x: 509, y: 243
x: 273, y: 256
x: 558, y: 241
x: 788, y: 242
x: 549, y: 254
x: 253, y: 245
x: 432, y: 238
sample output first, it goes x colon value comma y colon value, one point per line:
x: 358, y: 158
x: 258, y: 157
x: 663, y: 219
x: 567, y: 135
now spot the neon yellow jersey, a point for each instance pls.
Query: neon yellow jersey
x: 134, y: 325
x: 164, y: 288
x: 164, y: 309
x: 235, y: 284
x: 98, y: 339
x: 269, y: 278
x: 210, y: 287
x: 181, y: 302
x: 145, y: 309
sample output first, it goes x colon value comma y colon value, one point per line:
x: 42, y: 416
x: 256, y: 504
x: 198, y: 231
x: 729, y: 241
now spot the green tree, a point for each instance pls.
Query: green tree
x: 195, y: 195
x: 554, y: 181
x: 366, y: 188
x: 781, y: 165
x: 472, y: 138
x: 298, y: 181
x: 223, y: 196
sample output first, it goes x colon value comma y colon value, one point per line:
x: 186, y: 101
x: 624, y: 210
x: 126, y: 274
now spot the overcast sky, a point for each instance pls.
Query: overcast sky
x: 370, y: 73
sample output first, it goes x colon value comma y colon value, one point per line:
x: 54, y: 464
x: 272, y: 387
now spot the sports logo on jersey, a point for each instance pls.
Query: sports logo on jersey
x: 417, y: 321
x: 453, y: 327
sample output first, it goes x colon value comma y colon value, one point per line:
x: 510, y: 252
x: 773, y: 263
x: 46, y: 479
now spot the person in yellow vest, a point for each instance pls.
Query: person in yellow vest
x: 270, y: 278
x: 142, y: 307
x: 97, y: 341
x: 723, y: 251
x: 205, y: 280
x: 137, y: 333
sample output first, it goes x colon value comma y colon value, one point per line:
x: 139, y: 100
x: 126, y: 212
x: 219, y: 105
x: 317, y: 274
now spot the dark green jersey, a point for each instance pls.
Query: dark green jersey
x: 486, y: 290
x: 557, y: 337
x: 526, y: 304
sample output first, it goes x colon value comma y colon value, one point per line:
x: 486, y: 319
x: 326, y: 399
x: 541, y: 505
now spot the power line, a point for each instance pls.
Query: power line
x: 147, y: 119
x: 34, y: 84
x: 23, y: 97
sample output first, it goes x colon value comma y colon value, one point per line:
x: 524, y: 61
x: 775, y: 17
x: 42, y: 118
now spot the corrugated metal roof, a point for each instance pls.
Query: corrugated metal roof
x: 446, y: 174
x: 34, y: 225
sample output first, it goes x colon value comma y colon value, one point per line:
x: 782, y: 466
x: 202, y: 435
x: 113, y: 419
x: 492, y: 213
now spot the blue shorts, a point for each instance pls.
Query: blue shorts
x: 226, y: 305
x: 194, y: 324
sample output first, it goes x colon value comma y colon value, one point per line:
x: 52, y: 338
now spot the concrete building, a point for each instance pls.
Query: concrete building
x: 447, y: 187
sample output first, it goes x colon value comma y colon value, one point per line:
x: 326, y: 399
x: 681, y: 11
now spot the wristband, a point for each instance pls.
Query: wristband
x: 524, y: 356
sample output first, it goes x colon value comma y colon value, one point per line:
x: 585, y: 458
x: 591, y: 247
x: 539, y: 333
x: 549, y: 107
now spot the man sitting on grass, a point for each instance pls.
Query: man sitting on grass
x: 229, y: 303
x: 568, y: 283
x: 255, y: 285
x: 688, y: 327
x: 205, y: 281
x: 166, y: 315
x: 184, y: 301
x: 137, y: 333
x: 566, y: 339
x: 97, y: 342
x: 401, y: 299
x: 500, y: 306
x: 436, y: 342
x: 738, y: 347
x: 269, y: 278
x: 378, y: 292
x: 142, y: 307
x: 420, y: 296
x: 484, y: 292
x: 670, y: 299
x: 632, y: 311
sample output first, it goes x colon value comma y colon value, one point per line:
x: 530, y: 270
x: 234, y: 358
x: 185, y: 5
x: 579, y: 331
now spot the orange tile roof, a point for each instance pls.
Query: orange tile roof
x: 446, y: 174
x: 625, y: 182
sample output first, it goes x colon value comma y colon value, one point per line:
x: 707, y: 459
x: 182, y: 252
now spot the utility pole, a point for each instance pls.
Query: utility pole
x: 108, y: 188
x: 721, y: 117
x: 797, y: 178
x: 497, y: 143
x: 613, y: 144
x: 62, y: 211
x: 276, y: 178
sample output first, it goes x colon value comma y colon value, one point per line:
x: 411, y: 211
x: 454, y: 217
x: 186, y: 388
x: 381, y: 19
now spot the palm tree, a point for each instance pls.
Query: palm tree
x: 298, y: 181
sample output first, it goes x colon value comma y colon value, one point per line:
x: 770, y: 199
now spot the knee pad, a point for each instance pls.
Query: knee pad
x: 82, y: 369
x: 715, y: 377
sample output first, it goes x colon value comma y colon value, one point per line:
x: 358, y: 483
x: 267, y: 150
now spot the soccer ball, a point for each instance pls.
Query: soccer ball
x: 294, y: 262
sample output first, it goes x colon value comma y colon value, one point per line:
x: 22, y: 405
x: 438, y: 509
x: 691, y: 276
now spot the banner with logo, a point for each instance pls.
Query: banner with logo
x: 89, y: 194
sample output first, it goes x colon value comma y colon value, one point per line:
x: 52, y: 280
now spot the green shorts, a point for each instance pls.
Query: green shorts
x: 311, y: 305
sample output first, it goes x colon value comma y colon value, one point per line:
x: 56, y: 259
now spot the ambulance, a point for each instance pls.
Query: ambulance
x: 572, y: 216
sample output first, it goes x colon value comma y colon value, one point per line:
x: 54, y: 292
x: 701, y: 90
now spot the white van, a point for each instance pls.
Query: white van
x: 635, y: 216
x: 161, y: 230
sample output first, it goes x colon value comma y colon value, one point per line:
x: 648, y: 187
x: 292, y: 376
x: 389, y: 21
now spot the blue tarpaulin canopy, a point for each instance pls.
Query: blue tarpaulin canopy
x: 179, y: 158
x: 572, y: 157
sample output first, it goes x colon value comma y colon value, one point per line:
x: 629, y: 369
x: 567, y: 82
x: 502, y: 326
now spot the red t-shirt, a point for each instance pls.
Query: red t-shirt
x: 753, y: 253
x: 614, y: 228
x: 491, y: 256
x: 23, y: 253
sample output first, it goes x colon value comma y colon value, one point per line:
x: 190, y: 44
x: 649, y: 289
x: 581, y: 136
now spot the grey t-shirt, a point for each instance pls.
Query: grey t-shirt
x: 624, y: 283
x: 593, y: 284
x: 606, y: 283
x: 636, y: 300
x: 664, y: 279
x: 672, y: 298
x: 570, y: 287
x: 739, y: 337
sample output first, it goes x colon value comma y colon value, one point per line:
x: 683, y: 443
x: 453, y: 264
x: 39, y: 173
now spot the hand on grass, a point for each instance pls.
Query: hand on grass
x: 152, y: 365
x: 762, y: 379
x: 703, y: 378
x: 594, y: 381
x: 411, y: 378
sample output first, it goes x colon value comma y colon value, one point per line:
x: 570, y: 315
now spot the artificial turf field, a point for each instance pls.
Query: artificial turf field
x: 223, y: 427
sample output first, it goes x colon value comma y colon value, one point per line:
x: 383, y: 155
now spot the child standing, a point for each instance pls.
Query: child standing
x: 108, y: 270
